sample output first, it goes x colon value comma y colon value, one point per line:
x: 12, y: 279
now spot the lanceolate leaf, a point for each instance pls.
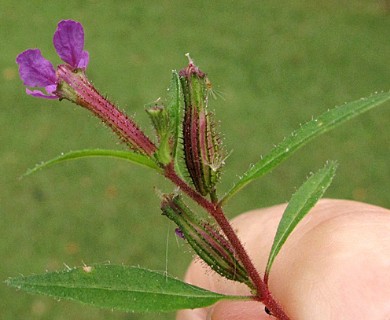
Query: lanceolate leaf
x: 73, y: 155
x: 300, y: 204
x: 300, y: 137
x: 119, y: 288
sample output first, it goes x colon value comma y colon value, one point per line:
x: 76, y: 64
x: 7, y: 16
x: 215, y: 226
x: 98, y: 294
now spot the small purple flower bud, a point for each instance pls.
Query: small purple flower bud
x: 207, y: 241
x: 179, y: 233
x: 202, y: 146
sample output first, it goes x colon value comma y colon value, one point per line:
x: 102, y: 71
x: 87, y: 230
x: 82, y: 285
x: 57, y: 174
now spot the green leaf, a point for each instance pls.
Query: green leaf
x: 73, y: 155
x: 304, y: 134
x: 301, y: 202
x: 130, y: 289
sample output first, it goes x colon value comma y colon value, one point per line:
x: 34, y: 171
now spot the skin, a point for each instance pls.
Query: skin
x: 335, y: 265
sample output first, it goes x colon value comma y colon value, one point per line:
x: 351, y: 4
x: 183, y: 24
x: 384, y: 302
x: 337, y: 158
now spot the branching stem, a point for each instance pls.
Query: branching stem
x: 262, y: 292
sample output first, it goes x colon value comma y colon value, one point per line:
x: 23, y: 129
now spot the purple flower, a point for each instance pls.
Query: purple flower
x: 36, y: 71
x: 70, y: 82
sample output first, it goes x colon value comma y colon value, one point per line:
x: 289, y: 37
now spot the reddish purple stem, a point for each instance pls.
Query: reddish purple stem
x: 262, y: 292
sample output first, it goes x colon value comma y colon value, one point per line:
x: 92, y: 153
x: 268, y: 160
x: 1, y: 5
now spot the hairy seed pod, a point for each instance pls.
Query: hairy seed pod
x: 205, y: 238
x: 202, y: 145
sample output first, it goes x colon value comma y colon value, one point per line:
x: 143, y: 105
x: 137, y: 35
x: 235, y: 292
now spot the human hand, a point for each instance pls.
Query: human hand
x: 335, y: 265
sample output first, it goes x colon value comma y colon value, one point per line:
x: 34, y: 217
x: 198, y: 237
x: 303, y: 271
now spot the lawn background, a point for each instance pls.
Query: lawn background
x: 277, y: 64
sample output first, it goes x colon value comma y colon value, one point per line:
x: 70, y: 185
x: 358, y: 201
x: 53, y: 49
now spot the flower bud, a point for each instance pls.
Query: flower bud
x: 207, y: 241
x: 202, y: 146
x: 159, y: 116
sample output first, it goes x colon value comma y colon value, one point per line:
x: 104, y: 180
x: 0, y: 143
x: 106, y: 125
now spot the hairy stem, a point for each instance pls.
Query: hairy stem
x: 262, y: 292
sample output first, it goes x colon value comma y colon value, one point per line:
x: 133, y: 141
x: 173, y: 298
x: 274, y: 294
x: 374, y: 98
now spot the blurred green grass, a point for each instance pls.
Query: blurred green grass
x: 277, y: 64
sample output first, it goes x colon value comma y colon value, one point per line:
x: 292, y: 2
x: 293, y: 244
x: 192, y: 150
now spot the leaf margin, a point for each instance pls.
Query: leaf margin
x: 284, y: 149
x: 131, y: 156
x: 201, y: 297
x: 310, y: 191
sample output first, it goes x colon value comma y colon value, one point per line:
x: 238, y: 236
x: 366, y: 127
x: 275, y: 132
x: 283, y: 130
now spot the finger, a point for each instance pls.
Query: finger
x: 238, y: 311
x: 334, y: 265
x: 338, y: 264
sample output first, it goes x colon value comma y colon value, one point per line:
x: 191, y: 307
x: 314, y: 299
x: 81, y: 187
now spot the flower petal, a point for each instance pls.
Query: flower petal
x: 40, y: 94
x: 51, y: 89
x: 69, y: 43
x: 84, y: 60
x: 35, y: 70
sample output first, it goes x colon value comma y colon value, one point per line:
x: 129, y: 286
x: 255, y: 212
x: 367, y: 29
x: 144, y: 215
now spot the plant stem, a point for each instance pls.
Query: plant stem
x: 262, y: 292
